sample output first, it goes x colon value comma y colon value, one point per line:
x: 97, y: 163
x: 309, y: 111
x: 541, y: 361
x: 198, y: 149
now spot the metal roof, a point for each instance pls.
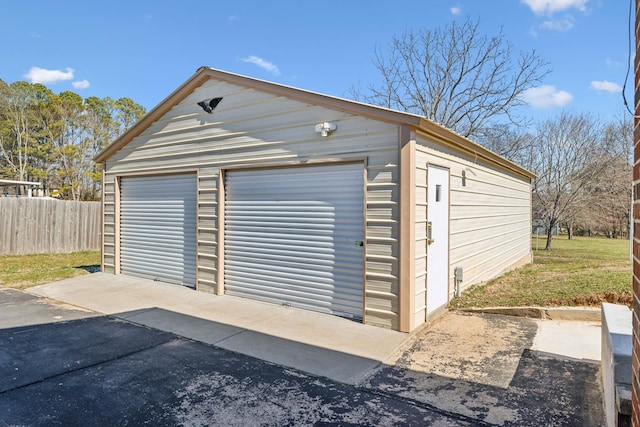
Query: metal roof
x: 419, y: 123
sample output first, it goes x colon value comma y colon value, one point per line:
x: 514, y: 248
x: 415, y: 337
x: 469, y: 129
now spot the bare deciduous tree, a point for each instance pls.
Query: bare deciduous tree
x: 511, y: 142
x: 17, y: 129
x: 568, y: 163
x: 608, y: 206
x: 455, y: 76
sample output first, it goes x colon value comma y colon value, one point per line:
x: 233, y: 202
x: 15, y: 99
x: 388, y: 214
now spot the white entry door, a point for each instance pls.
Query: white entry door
x: 438, y: 248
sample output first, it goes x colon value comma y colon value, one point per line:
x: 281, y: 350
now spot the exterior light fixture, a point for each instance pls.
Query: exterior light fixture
x: 326, y: 128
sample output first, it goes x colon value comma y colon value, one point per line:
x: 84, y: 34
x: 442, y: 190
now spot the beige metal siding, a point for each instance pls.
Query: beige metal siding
x: 109, y: 221
x: 254, y: 128
x: 420, y: 307
x: 490, y: 217
x: 207, y: 255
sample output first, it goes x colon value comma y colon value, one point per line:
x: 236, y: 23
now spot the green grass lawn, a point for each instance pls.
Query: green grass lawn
x: 22, y: 271
x: 584, y: 271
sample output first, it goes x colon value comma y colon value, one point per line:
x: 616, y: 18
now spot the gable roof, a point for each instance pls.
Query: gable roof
x: 419, y: 123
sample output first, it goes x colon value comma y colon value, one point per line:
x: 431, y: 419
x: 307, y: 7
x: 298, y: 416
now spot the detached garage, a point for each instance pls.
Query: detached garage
x: 242, y: 187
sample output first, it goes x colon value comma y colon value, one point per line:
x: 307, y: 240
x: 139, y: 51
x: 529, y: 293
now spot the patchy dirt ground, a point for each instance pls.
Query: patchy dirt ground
x: 482, y: 367
x: 594, y: 300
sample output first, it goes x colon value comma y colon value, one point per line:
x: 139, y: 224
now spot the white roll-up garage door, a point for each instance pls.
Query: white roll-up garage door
x: 295, y: 236
x: 158, y: 228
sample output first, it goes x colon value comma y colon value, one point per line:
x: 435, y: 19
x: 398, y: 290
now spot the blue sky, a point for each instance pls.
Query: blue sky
x: 145, y: 49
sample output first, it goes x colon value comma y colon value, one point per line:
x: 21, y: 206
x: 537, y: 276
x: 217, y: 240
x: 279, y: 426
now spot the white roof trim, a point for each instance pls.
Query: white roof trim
x: 4, y: 182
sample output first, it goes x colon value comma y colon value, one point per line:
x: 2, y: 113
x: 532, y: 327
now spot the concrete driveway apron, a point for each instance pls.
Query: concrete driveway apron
x: 60, y: 365
x: 169, y: 356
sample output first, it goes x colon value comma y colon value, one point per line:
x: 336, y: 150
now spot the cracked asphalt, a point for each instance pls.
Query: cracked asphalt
x: 61, y: 365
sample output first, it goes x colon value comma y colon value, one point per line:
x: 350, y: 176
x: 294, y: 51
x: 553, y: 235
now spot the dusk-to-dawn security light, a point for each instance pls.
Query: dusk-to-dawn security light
x: 209, y: 105
x: 326, y: 128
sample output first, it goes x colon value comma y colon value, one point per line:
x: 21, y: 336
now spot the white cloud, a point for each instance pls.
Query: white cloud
x: 264, y: 64
x: 611, y: 63
x: 605, y: 86
x: 80, y: 84
x: 542, y: 7
x: 546, y: 96
x: 42, y: 75
x: 558, y: 25
x: 232, y: 18
x: 456, y: 10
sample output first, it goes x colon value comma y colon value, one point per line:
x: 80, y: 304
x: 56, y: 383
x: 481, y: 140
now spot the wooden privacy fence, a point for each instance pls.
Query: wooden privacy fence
x: 35, y: 226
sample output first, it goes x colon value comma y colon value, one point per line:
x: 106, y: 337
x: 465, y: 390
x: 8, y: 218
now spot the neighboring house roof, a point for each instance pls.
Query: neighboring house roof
x: 7, y: 182
x: 434, y: 130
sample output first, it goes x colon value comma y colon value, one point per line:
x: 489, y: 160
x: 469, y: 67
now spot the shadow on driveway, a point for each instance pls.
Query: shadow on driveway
x: 61, y: 365
x: 70, y: 367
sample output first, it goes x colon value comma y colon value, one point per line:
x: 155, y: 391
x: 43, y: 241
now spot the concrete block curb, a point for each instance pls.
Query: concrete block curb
x: 583, y: 314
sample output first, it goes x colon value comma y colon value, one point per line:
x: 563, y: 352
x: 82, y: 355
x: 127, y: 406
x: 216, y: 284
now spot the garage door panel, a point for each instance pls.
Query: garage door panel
x: 232, y: 255
x: 291, y: 236
x: 284, y: 261
x: 305, y: 272
x: 264, y: 285
x: 158, y: 228
x: 172, y: 264
x: 163, y: 249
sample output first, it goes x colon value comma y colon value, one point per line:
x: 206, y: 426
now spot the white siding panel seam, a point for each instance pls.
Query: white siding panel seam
x: 374, y: 275
x: 226, y: 162
x: 187, y: 156
x: 501, y: 181
x: 470, y: 190
x: 233, y: 140
x: 219, y: 111
x: 373, y: 294
x: 494, y: 261
x: 387, y: 202
x: 381, y: 221
x: 499, y: 255
x: 490, y: 227
x: 382, y: 257
x: 490, y: 205
x: 481, y: 276
x: 499, y: 244
x: 475, y: 217
x: 380, y: 312
x: 226, y: 140
x: 373, y: 239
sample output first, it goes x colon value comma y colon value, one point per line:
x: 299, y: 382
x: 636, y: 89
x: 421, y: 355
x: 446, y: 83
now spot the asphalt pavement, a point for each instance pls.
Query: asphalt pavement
x: 64, y: 366
x: 63, y: 362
